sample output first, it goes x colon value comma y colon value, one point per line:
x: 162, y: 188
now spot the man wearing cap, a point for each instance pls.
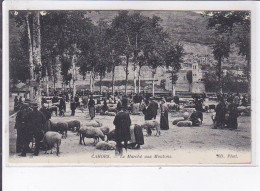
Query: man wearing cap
x: 37, y: 123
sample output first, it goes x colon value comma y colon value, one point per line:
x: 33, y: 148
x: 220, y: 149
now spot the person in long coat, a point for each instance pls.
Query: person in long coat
x: 233, y: 114
x: 220, y: 114
x: 21, y: 126
x: 47, y: 114
x: 154, y: 106
x: 125, y: 102
x: 37, y: 123
x: 91, y: 107
x: 164, y: 122
x: 122, y: 124
x: 148, y: 111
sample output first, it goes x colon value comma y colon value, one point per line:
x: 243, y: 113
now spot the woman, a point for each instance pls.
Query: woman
x: 137, y: 137
x: 164, y: 122
x: 91, y: 106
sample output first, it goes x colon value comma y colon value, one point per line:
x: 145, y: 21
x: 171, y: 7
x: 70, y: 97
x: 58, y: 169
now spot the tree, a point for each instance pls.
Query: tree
x: 174, y: 59
x: 221, y: 50
x: 189, y: 78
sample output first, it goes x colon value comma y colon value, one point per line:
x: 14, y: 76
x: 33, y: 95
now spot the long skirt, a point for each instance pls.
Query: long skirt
x: 164, y: 122
x: 232, y: 121
x: 139, y: 137
x: 92, y: 112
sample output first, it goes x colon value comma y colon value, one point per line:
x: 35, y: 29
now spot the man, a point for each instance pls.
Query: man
x: 62, y: 107
x: 21, y: 125
x: 72, y: 107
x: 122, y: 124
x: 154, y: 106
x: 37, y: 122
x: 220, y: 114
x: 148, y: 112
x: 47, y: 114
x: 125, y: 103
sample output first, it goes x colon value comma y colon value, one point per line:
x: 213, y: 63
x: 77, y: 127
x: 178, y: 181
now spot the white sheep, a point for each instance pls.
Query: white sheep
x: 93, y: 123
x: 90, y: 132
x: 175, y: 121
x: 102, y: 145
x: 52, y: 139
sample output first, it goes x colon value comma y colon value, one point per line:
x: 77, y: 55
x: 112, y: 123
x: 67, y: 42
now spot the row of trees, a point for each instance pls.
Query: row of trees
x: 230, y: 28
x: 72, y: 39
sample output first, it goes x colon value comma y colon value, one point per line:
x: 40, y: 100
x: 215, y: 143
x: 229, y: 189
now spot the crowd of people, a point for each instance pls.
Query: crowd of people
x: 32, y: 123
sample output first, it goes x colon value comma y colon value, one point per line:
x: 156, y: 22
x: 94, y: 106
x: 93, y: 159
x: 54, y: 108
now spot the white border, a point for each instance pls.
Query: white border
x: 104, y: 5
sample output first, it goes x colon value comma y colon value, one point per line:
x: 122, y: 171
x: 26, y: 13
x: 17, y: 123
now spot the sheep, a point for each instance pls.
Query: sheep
x: 93, y: 123
x: 52, y: 139
x: 61, y: 127
x: 151, y: 125
x: 74, y: 125
x: 184, y: 124
x: 90, y: 132
x: 102, y: 145
x: 105, y: 130
x: 175, y: 121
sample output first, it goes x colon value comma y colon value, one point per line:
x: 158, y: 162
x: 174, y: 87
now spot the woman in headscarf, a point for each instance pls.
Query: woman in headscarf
x: 164, y: 122
x: 91, y: 107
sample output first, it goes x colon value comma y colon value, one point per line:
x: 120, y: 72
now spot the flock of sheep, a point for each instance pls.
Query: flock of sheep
x: 91, y: 129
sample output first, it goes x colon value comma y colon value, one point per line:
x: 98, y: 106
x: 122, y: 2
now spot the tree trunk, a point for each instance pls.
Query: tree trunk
x: 31, y: 93
x: 90, y: 82
x: 139, y: 80
x: 47, y: 85
x: 126, y: 73
x: 113, y: 79
x: 100, y: 85
x: 37, y: 52
x: 134, y: 78
x: 153, y: 82
x: 248, y: 76
x: 219, y: 76
x: 74, y: 75
x: 173, y: 86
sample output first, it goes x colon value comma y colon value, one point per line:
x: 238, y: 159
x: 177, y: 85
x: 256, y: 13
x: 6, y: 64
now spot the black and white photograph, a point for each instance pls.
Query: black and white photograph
x: 129, y: 87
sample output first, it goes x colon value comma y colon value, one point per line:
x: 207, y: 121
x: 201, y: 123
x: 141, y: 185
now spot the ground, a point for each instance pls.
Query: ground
x: 176, y: 145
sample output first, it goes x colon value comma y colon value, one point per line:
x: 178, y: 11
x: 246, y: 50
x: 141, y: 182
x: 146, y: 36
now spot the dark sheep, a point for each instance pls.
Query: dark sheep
x: 61, y: 127
x: 74, y: 125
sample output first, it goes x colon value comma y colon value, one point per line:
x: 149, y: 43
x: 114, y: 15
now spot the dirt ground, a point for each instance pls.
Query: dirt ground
x: 174, y: 140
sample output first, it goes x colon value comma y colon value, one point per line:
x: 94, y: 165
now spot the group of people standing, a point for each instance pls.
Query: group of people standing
x: 227, y: 111
x: 30, y: 124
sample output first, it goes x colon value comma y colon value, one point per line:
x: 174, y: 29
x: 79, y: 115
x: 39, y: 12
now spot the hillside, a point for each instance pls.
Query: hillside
x: 187, y: 26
